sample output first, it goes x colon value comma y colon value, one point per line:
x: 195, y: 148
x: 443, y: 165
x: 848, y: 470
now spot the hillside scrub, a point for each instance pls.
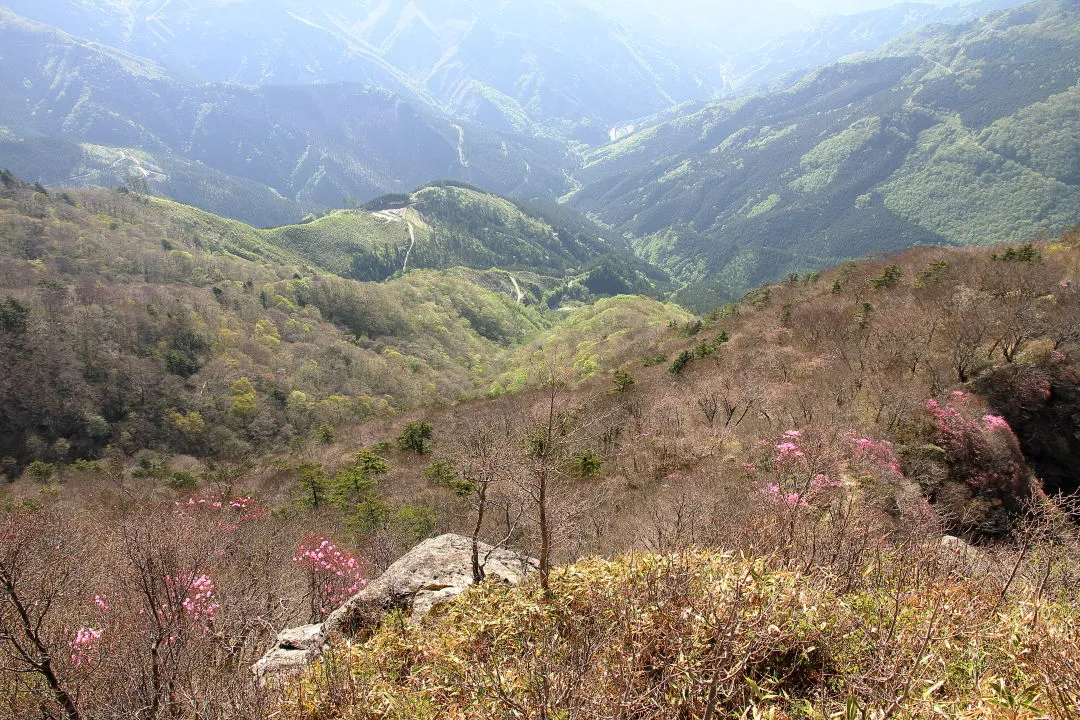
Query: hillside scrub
x: 824, y: 431
x: 130, y: 605
x: 890, y: 630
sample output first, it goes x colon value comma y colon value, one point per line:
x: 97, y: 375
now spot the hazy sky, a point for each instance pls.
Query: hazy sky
x: 849, y: 6
x: 819, y: 7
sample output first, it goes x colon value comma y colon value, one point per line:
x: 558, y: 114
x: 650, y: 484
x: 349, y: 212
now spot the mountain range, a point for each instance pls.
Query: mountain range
x: 955, y: 135
x: 949, y: 134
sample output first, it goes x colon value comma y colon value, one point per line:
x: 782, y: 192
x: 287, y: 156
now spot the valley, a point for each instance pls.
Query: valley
x: 401, y: 359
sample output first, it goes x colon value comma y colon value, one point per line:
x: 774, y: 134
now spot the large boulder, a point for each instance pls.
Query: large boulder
x: 971, y: 562
x: 433, y: 572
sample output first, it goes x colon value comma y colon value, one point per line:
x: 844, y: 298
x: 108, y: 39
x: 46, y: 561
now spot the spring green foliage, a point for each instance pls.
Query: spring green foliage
x: 354, y: 489
x: 41, y: 471
x: 599, y: 338
x: 14, y: 315
x: 312, y: 485
x: 442, y: 474
x: 1025, y: 253
x: 182, y: 480
x: 313, y: 349
x: 684, y: 359
x: 417, y: 437
x: 651, y: 360
x: 889, y: 277
x: 587, y: 463
x: 623, y: 380
x: 325, y: 434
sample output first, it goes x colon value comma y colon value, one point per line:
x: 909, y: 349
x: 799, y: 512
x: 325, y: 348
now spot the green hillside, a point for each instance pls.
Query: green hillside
x: 67, y: 164
x: 163, y: 326
x: 948, y: 136
x: 450, y: 225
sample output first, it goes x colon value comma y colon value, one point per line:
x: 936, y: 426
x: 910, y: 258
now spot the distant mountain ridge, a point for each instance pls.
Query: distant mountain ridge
x: 511, y: 66
x: 315, y: 144
x: 948, y: 136
x: 574, y: 68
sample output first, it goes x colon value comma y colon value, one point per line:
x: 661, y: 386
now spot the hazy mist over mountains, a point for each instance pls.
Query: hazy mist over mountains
x: 717, y: 138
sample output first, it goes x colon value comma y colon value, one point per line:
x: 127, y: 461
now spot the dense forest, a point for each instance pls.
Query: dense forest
x: 131, y: 324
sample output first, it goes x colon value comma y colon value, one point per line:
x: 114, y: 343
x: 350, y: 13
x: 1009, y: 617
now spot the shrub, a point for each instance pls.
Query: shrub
x: 651, y: 360
x: 888, y: 278
x: 416, y: 437
x: 182, y: 481
x: 41, y: 471
x: 325, y: 434
x: 681, y: 362
x: 623, y: 380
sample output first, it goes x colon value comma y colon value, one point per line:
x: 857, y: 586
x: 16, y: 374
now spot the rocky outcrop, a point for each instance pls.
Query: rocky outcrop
x: 433, y: 572
x: 975, y: 563
x: 295, y: 648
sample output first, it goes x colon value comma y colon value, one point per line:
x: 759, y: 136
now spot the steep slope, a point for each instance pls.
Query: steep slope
x: 63, y: 163
x: 940, y: 140
x: 314, y: 144
x: 837, y: 36
x: 139, y: 322
x: 792, y: 459
x: 576, y: 68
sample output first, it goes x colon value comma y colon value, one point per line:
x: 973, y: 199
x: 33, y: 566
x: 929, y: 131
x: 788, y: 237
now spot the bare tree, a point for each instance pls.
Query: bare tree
x: 484, y: 459
x: 554, y: 431
x: 33, y: 592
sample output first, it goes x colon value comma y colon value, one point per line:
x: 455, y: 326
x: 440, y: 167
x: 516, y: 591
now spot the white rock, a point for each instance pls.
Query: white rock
x: 433, y: 572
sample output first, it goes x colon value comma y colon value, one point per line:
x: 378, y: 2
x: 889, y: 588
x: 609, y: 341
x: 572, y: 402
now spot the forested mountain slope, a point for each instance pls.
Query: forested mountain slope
x: 310, y: 144
x: 950, y: 136
x: 450, y: 224
x: 575, y: 69
x: 136, y: 322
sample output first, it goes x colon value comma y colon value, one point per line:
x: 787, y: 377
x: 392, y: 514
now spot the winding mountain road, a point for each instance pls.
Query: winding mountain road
x: 412, y: 244
x: 517, y: 289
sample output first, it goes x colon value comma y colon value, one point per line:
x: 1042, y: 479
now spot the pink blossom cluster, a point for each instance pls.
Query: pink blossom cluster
x: 960, y: 439
x: 793, y: 499
x: 788, y: 452
x: 200, y: 600
x: 336, y: 575
x: 84, y: 646
x: 982, y: 450
x: 818, y: 485
x: 1057, y: 357
x: 102, y: 602
x: 247, y: 507
x: 196, y: 596
x: 877, y: 452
